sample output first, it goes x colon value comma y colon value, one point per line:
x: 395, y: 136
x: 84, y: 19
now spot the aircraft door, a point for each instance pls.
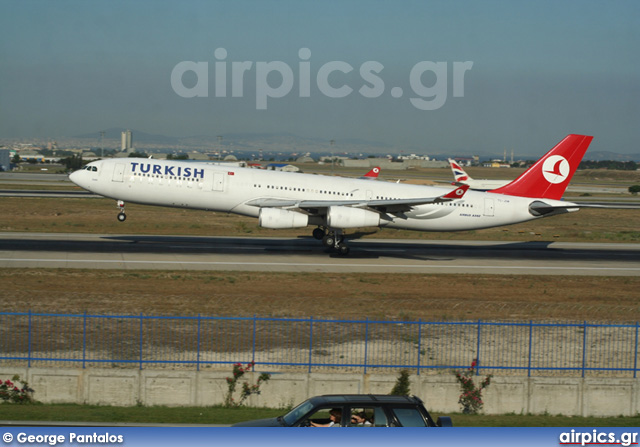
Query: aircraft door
x: 118, y: 172
x: 218, y: 181
x: 488, y: 207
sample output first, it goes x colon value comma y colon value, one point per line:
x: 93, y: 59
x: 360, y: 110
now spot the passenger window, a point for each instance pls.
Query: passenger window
x: 380, y: 418
x: 325, y: 417
x: 409, y: 417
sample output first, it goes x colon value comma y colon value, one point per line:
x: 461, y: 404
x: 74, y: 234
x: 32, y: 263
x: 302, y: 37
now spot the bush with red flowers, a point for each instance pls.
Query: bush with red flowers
x: 471, y: 398
x: 16, y: 391
x: 247, y: 388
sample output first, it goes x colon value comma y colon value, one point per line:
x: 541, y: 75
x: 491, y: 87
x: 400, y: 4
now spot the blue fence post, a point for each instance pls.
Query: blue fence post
x: 140, y: 340
x: 584, y: 348
x: 253, y: 343
x: 366, y: 342
x: 478, y: 349
x: 635, y: 355
x: 419, y: 342
x: 530, y: 347
x: 198, y: 349
x: 29, y: 347
x: 84, y: 340
x: 310, y: 341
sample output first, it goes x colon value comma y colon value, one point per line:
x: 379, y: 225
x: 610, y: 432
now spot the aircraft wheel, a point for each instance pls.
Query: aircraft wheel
x: 343, y: 249
x: 122, y: 217
x: 328, y: 240
x: 318, y: 233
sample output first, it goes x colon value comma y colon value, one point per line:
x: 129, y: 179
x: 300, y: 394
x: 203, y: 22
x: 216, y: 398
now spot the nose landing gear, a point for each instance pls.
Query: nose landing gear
x: 121, y: 215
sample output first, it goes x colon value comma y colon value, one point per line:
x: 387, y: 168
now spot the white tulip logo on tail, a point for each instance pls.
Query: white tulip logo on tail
x: 555, y: 169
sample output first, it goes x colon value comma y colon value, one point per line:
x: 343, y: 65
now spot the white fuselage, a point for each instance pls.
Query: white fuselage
x: 485, y: 185
x: 229, y: 189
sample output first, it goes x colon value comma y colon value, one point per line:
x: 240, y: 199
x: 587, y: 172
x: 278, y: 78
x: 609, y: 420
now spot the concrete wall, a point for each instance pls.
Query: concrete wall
x: 536, y: 395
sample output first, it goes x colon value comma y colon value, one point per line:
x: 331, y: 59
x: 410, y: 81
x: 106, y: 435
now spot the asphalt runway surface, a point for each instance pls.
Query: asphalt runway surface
x: 305, y: 254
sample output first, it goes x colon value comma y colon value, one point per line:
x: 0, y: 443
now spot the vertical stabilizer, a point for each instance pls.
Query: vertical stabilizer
x: 459, y: 174
x: 549, y: 177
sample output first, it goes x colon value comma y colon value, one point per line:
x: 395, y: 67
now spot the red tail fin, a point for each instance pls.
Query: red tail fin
x: 549, y: 177
x: 373, y: 174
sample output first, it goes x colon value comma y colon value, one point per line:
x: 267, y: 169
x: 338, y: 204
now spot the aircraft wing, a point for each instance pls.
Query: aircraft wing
x: 382, y: 205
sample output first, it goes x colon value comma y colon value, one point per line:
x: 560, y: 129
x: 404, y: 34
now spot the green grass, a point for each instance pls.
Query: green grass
x: 133, y: 415
x: 221, y: 415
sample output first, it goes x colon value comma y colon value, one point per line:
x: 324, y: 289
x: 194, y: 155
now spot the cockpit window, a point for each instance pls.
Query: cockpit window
x: 91, y: 168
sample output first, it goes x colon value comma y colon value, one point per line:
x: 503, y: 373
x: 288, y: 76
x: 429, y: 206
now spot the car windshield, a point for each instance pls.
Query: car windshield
x: 292, y: 417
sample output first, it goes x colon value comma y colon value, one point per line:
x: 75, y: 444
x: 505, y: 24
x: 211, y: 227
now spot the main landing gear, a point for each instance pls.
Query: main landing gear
x: 332, y: 239
x: 121, y: 215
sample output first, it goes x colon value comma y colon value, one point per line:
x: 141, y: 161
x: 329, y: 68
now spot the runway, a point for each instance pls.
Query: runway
x: 140, y: 252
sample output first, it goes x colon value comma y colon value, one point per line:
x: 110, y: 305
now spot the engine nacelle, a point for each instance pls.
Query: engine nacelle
x: 278, y: 219
x: 347, y: 217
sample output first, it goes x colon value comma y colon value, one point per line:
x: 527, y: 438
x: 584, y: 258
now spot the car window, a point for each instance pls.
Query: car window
x: 292, y: 417
x: 322, y: 417
x: 380, y: 418
x: 409, y: 417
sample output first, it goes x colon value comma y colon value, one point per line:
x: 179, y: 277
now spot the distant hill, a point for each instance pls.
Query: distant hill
x: 594, y: 156
x: 606, y: 155
x: 288, y: 142
x: 138, y: 136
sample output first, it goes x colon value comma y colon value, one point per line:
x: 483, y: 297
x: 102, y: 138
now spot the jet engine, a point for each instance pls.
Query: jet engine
x: 278, y: 219
x: 347, y: 217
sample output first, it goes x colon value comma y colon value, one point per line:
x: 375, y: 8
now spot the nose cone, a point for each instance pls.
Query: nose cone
x: 74, y: 177
x: 79, y: 177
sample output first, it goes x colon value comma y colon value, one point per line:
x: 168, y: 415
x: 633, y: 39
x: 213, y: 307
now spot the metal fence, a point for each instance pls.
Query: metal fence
x: 308, y: 344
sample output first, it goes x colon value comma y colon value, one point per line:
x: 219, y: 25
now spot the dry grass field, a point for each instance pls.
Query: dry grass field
x: 407, y: 297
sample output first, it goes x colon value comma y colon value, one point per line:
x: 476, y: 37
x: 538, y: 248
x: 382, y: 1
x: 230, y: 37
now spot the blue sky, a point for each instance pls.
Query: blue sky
x: 540, y: 70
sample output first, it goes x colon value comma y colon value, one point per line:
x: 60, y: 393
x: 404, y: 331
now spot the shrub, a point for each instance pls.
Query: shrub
x: 12, y: 392
x: 247, y: 389
x: 401, y: 388
x: 471, y: 397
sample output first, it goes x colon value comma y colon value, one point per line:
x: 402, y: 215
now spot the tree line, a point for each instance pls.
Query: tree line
x: 609, y: 164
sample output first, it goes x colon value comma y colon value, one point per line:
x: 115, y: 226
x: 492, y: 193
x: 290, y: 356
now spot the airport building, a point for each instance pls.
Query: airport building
x: 126, y: 142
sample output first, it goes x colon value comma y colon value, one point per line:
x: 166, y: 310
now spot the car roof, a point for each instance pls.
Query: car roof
x: 366, y: 399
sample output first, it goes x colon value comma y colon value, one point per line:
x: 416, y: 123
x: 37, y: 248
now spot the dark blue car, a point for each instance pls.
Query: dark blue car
x: 355, y: 410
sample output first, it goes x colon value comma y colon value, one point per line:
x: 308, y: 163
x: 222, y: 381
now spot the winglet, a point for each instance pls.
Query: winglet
x: 457, y: 193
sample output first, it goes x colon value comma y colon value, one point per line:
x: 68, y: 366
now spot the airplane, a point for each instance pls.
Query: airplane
x: 461, y: 177
x: 285, y: 200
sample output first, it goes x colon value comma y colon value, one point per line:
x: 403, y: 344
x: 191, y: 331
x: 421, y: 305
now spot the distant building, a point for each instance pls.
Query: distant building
x: 282, y: 167
x: 414, y: 157
x: 5, y: 159
x: 305, y: 159
x: 464, y: 161
x: 30, y: 156
x: 126, y: 141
